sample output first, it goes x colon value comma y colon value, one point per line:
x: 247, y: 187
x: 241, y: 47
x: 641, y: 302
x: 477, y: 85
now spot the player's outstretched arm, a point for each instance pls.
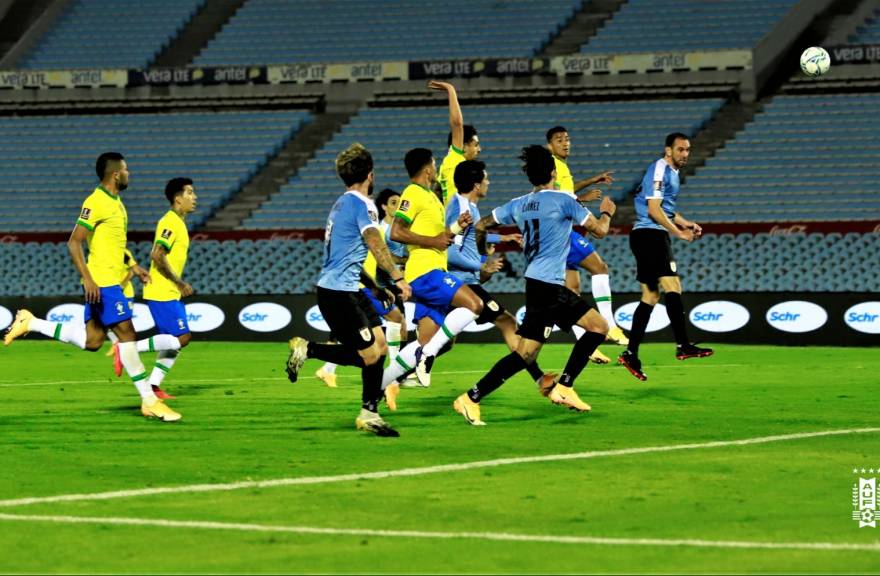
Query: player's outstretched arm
x: 483, y: 224
x: 159, y: 256
x: 655, y: 211
x: 689, y: 224
x: 606, y: 177
x: 456, y: 120
x: 401, y: 232
x: 598, y: 227
x: 376, y: 245
x: 77, y: 254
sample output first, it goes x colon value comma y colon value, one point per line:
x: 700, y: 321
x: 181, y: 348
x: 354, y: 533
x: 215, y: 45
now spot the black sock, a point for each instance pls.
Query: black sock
x: 579, y: 357
x: 675, y: 309
x: 501, y: 371
x: 639, y: 325
x: 372, y: 385
x: 335, y: 353
x: 534, y: 371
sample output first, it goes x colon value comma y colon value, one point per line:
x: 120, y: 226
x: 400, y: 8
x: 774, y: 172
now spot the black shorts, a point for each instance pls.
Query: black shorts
x: 350, y: 316
x: 491, y: 308
x: 549, y: 304
x: 653, y: 251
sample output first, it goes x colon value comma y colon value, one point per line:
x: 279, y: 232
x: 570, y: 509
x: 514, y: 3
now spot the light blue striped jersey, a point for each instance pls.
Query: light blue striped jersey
x: 545, y: 219
x: 464, y: 260
x: 344, y: 246
x: 661, y: 183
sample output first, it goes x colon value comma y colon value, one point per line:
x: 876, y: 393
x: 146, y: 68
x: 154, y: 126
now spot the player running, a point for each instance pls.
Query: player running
x: 465, y: 261
x: 545, y: 217
x: 656, y: 221
x: 352, y: 230
x: 103, y: 224
x: 165, y: 293
x: 582, y: 253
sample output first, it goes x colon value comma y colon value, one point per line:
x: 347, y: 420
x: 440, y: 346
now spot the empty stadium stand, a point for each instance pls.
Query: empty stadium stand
x: 48, y: 161
x: 644, y: 25
x: 622, y: 136
x: 282, y: 32
x: 719, y: 262
x: 110, y: 33
x: 804, y: 158
x: 869, y: 32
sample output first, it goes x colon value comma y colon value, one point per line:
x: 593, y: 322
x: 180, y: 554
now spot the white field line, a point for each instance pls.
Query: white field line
x: 495, y: 536
x: 109, y: 381
x: 422, y: 471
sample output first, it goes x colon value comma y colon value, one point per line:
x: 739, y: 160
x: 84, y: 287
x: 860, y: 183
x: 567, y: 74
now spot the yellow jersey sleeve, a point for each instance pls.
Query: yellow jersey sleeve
x: 453, y: 158
x: 92, y: 213
x: 172, y: 235
x: 564, y: 180
x: 423, y: 211
x: 104, y: 216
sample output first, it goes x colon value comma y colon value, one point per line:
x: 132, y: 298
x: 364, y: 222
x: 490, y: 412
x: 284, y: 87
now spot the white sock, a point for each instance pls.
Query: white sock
x: 158, y: 343
x: 329, y: 368
x: 164, y: 361
x: 392, y: 336
x: 111, y: 335
x: 602, y: 296
x: 577, y: 331
x: 71, y: 333
x: 135, y: 368
x: 454, y: 323
x: 403, y: 362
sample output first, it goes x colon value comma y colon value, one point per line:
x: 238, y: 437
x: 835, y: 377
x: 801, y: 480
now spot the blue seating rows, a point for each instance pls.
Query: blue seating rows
x: 110, y: 33
x: 869, y: 32
x: 48, y: 161
x: 283, y: 32
x: 621, y: 136
x: 718, y: 262
x: 804, y: 158
x: 643, y: 25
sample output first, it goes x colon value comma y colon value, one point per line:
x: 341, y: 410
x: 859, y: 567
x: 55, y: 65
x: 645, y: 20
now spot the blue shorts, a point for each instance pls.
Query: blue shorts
x: 170, y: 317
x: 113, y: 308
x: 380, y: 308
x: 433, y: 293
x: 579, y: 248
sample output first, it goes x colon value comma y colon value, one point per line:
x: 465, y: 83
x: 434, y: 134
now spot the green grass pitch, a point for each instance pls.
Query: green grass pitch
x: 68, y: 426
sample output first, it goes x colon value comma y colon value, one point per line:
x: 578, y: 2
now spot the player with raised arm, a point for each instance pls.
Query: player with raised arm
x: 656, y: 221
x: 545, y: 217
x: 582, y: 253
x: 352, y: 230
x: 103, y: 224
x: 465, y: 261
x: 463, y: 142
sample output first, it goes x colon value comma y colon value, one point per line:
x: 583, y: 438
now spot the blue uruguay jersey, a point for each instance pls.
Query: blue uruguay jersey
x: 660, y: 182
x: 344, y: 246
x: 464, y: 260
x: 545, y: 219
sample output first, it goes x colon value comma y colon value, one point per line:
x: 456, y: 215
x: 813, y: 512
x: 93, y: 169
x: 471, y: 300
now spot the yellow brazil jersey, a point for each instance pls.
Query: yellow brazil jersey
x: 104, y: 216
x: 421, y: 208
x: 454, y: 157
x: 370, y: 264
x: 564, y: 180
x: 127, y: 286
x: 171, y: 233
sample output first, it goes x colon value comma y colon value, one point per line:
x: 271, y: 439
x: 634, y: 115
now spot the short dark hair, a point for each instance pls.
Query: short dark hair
x: 671, y: 138
x: 554, y: 131
x: 416, y: 159
x: 354, y: 164
x: 107, y: 160
x: 469, y: 133
x: 468, y: 174
x: 538, y: 164
x: 383, y: 198
x: 175, y: 186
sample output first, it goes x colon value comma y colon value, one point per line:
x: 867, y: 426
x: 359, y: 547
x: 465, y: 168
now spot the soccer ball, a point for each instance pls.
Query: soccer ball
x: 815, y: 61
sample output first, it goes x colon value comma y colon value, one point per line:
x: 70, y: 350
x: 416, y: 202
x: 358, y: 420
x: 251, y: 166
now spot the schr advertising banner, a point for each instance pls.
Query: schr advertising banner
x: 786, y: 319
